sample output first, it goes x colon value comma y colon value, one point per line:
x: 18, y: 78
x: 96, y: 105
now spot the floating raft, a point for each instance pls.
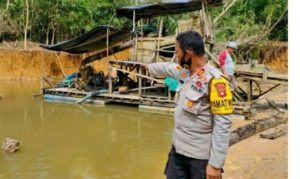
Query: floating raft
x: 71, y: 95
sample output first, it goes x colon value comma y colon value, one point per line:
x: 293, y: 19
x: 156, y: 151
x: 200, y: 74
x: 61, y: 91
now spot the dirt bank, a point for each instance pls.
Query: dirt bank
x: 18, y: 64
x: 31, y: 64
x: 275, y: 55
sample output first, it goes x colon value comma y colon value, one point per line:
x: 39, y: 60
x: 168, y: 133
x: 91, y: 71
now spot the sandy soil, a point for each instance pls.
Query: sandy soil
x: 258, y: 158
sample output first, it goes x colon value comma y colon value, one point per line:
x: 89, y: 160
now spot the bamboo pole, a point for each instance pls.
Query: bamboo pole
x: 224, y: 11
x: 159, y: 39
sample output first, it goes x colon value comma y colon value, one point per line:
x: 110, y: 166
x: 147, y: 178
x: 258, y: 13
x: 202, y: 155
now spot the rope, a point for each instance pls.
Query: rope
x: 61, y: 67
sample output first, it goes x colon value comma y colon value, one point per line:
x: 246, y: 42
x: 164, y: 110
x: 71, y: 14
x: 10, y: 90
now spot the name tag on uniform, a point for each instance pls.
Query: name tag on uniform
x: 196, y: 88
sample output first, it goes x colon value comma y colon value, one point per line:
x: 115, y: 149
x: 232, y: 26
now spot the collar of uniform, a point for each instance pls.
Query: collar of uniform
x: 206, y: 68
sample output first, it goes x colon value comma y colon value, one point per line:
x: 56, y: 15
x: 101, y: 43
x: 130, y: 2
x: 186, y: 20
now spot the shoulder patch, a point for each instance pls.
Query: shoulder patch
x: 220, y: 96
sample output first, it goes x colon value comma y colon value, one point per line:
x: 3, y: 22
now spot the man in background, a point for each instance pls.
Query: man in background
x: 227, y: 64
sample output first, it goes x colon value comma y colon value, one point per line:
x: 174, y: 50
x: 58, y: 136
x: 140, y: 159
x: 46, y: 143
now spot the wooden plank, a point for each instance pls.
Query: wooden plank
x: 120, y: 96
x: 157, y: 50
x: 126, y: 62
x: 66, y: 90
x: 143, y: 88
x: 70, y: 100
x: 139, y: 75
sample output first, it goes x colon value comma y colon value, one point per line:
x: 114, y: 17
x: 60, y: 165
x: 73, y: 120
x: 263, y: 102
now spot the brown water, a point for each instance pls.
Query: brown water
x: 69, y: 141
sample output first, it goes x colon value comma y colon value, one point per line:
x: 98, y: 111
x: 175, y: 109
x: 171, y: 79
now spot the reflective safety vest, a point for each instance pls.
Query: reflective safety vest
x: 221, y: 100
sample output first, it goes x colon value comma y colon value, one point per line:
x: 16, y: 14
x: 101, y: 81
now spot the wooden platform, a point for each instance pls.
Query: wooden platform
x: 70, y: 94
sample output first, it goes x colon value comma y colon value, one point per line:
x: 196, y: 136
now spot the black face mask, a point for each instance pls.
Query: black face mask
x: 185, y: 63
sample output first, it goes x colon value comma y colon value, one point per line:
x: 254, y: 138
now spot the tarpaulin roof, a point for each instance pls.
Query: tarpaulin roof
x: 91, y: 41
x: 164, y: 8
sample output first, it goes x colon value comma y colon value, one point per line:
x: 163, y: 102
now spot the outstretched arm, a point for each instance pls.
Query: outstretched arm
x: 164, y: 69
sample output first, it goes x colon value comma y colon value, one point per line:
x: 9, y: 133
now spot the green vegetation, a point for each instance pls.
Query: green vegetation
x: 51, y: 21
x: 247, y: 19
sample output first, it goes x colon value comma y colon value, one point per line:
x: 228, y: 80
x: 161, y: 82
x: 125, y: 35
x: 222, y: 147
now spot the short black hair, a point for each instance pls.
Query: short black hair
x: 191, y: 40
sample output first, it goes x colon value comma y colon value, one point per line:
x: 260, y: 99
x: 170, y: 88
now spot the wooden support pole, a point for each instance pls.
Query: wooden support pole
x: 169, y: 94
x: 249, y: 96
x: 110, y: 77
x: 107, y: 42
x: 174, y: 56
x: 140, y: 79
x: 42, y: 72
x: 214, y: 59
x: 159, y: 39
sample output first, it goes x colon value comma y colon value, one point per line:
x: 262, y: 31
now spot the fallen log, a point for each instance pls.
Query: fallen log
x: 278, y: 132
x: 280, y: 106
x: 255, y: 127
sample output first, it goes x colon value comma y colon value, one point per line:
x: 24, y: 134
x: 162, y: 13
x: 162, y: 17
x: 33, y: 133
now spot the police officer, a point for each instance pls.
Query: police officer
x: 203, y: 107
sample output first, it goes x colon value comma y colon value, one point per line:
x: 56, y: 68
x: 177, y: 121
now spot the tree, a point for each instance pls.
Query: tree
x: 26, y: 24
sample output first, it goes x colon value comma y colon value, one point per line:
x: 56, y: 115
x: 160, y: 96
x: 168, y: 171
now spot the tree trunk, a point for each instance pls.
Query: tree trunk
x: 53, y: 36
x: 31, y: 18
x: 275, y: 133
x: 26, y: 24
x: 7, y: 5
x: 255, y: 127
x: 47, y: 36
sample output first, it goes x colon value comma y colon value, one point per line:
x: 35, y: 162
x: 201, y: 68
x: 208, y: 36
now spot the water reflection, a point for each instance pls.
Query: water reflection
x: 72, y: 141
